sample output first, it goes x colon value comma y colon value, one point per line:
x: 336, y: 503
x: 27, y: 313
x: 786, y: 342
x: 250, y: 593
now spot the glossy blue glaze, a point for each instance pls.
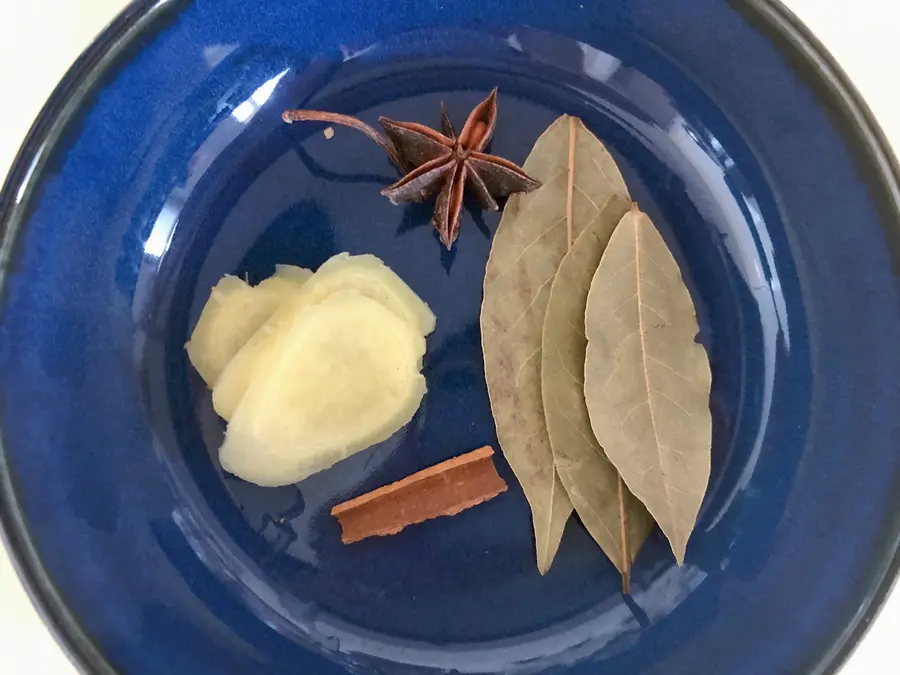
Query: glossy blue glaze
x: 178, y: 170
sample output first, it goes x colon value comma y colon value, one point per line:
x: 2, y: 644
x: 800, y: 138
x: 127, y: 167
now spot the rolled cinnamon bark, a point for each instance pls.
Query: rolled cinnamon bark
x: 444, y: 489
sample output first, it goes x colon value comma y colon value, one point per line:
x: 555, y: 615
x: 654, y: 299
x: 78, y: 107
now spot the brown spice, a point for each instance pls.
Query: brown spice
x: 440, y: 162
x: 441, y: 490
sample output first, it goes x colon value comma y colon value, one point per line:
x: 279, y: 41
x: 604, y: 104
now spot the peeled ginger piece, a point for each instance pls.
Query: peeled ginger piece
x: 234, y: 312
x: 365, y: 273
x: 284, y: 285
x: 371, y: 277
x: 216, y: 337
x: 345, y: 376
x: 247, y: 363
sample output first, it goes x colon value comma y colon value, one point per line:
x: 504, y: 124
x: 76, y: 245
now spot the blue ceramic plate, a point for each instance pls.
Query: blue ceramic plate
x: 161, y: 163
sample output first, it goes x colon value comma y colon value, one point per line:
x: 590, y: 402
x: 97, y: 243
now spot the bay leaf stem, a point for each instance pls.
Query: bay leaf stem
x: 623, y: 528
x: 570, y: 188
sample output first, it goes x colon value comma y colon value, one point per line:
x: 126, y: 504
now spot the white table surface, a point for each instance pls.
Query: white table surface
x: 40, y: 38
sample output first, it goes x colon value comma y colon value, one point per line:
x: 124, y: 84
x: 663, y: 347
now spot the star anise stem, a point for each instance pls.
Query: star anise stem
x: 290, y: 116
x: 440, y: 163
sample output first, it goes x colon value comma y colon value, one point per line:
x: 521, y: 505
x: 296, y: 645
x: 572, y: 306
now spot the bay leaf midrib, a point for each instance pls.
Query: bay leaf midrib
x: 640, y: 303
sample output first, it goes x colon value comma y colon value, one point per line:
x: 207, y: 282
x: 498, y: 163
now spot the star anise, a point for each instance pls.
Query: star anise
x: 441, y: 163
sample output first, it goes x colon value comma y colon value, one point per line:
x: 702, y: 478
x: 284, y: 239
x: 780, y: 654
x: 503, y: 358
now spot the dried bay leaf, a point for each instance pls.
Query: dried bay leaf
x: 578, y: 176
x: 616, y: 520
x: 646, y: 381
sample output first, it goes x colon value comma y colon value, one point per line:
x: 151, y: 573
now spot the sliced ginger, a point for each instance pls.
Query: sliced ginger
x: 365, y: 273
x: 234, y: 312
x: 310, y: 368
x: 345, y: 376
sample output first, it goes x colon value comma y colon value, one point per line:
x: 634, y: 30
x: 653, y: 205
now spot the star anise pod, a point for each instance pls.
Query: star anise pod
x: 441, y: 163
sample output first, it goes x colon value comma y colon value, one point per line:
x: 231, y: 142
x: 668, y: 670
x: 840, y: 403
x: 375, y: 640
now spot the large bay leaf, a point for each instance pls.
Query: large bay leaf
x: 616, y: 520
x: 578, y: 177
x: 647, y: 381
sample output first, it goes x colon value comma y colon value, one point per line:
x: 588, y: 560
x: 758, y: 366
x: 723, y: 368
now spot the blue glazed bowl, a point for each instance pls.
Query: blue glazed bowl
x: 161, y: 163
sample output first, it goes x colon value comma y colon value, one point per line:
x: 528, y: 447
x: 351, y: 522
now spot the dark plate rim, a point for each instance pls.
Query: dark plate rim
x: 804, y: 52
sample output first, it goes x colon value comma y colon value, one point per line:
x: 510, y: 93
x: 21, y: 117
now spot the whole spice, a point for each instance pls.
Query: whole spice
x: 579, y: 176
x: 440, y: 163
x: 616, y: 520
x: 646, y: 379
x: 441, y: 490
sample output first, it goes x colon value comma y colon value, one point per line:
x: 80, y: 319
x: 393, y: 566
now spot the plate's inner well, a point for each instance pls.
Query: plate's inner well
x: 259, y: 192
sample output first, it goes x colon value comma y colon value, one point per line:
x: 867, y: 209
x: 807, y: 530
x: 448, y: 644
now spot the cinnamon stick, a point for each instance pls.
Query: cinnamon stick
x: 441, y: 490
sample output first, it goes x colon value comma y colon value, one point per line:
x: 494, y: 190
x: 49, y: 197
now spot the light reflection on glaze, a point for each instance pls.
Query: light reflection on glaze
x: 565, y: 644
x: 226, y: 132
